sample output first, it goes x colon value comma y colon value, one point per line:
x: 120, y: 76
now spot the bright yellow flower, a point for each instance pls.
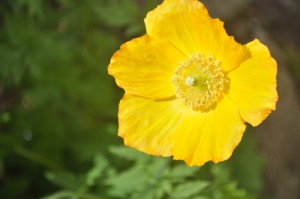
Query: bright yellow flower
x: 189, y: 87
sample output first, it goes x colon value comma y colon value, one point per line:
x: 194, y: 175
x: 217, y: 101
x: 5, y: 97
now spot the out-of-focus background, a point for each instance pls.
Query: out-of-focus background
x: 58, y: 106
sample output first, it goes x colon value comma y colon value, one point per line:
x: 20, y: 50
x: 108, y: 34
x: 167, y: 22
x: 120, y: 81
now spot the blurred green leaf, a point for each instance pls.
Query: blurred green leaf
x: 70, y: 195
x: 121, y: 17
x: 134, y: 29
x: 189, y: 189
x: 100, y: 163
x: 248, y: 165
x: 64, y: 180
x: 128, y: 153
x: 128, y: 181
x: 182, y: 171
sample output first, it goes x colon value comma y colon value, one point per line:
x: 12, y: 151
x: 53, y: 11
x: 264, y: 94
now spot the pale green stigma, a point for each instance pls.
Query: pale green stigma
x: 190, y: 81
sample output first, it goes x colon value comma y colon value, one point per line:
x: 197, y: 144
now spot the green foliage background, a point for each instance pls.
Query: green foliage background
x: 58, y: 112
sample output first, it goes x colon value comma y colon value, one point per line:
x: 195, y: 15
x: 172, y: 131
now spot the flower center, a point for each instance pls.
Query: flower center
x: 199, y: 81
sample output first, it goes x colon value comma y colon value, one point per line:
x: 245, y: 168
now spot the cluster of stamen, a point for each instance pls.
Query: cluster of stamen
x: 199, y: 81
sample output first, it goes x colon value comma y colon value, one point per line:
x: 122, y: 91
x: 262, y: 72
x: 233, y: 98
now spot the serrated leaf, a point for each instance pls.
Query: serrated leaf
x: 220, y: 173
x: 247, y: 165
x: 61, y: 195
x: 182, y: 171
x: 189, y: 189
x: 64, y: 180
x: 165, y: 186
x: 100, y: 163
x: 157, y: 167
x: 231, y: 190
x: 127, y: 182
x: 128, y: 153
x: 147, y: 194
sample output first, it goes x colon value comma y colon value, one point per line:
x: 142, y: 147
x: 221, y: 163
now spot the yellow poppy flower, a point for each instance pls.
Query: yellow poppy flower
x: 189, y: 87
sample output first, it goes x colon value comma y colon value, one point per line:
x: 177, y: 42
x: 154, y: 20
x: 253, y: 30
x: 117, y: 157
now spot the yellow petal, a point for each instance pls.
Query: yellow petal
x: 187, y: 25
x: 253, y: 84
x: 144, y: 67
x: 210, y: 136
x: 148, y: 125
x: 168, y: 128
